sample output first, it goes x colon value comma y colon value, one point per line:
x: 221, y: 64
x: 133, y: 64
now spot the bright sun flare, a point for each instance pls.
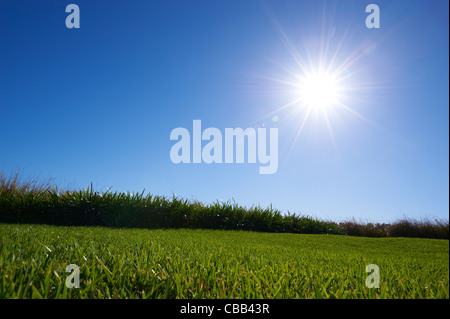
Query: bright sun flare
x: 318, y: 91
x: 322, y: 85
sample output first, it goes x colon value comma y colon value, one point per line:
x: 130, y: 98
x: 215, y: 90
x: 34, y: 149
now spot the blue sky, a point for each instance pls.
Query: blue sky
x: 97, y: 104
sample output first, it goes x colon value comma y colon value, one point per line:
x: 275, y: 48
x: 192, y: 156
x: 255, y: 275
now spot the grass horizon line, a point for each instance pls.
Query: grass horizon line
x: 35, y: 201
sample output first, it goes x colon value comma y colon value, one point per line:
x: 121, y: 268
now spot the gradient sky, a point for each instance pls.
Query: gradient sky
x: 97, y: 104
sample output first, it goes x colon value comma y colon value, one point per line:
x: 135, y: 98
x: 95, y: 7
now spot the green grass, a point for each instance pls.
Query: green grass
x: 187, y: 263
x: 31, y: 201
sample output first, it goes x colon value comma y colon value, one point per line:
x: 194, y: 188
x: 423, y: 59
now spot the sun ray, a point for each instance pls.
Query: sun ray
x: 323, y: 81
x: 330, y: 129
x: 299, y: 131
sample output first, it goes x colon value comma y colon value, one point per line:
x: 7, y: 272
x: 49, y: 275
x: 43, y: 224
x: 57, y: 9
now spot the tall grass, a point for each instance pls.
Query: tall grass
x: 32, y: 201
x: 419, y: 228
x: 424, y: 228
x: 16, y: 183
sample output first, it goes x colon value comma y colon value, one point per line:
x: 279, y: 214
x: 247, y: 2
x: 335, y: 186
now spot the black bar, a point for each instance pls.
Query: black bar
x: 227, y: 308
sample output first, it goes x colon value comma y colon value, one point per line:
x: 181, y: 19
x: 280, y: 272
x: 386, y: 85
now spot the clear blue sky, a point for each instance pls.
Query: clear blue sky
x: 97, y: 104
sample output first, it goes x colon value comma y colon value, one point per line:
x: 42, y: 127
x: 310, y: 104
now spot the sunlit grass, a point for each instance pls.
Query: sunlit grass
x: 185, y: 263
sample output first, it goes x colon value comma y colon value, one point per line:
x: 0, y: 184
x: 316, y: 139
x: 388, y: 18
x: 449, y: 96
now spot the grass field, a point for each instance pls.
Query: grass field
x: 194, y: 263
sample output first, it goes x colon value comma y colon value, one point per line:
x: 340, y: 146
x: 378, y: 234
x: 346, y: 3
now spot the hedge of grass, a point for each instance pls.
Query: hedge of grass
x: 87, y: 208
x: 40, y: 203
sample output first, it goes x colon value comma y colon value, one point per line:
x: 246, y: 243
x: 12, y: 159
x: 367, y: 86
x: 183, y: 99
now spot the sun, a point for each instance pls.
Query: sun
x: 318, y: 91
x: 321, y: 82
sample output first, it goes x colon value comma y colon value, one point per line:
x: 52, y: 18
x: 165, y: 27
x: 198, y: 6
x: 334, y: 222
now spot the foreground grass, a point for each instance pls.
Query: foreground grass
x: 186, y: 263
